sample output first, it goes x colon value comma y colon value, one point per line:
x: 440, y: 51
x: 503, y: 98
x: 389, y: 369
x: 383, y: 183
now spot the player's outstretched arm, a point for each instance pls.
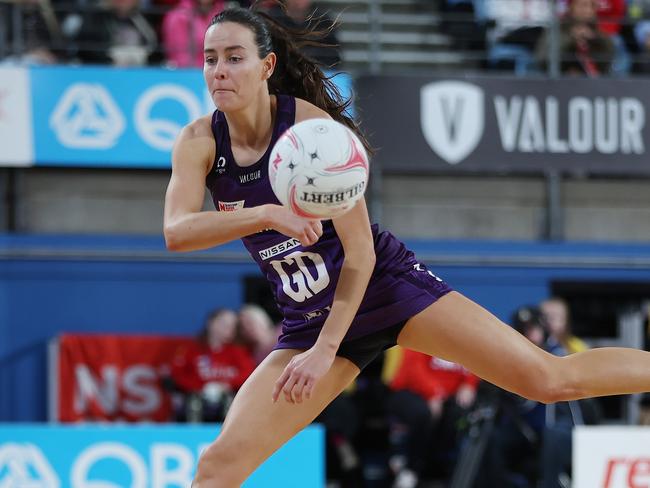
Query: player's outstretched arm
x: 188, y: 228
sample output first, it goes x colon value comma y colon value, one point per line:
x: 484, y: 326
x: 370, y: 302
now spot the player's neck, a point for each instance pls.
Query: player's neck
x: 251, y: 126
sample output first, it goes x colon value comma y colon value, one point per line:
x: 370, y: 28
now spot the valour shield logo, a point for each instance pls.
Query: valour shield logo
x: 452, y: 118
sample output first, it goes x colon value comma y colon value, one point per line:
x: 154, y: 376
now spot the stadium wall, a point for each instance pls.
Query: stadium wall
x: 60, y: 284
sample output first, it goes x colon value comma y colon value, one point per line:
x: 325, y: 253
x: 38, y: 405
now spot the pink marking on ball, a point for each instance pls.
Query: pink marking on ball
x: 293, y: 202
x: 357, y: 159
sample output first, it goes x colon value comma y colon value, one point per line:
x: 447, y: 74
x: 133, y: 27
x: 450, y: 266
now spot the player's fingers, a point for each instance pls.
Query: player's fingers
x: 279, y: 384
x: 309, y: 237
x: 304, y: 240
x: 309, y: 388
x: 288, y: 386
x: 297, y: 390
x: 318, y: 227
x: 313, y: 235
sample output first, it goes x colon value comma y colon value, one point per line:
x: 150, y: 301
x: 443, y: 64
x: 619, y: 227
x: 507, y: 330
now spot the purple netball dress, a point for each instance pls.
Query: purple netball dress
x: 303, y: 279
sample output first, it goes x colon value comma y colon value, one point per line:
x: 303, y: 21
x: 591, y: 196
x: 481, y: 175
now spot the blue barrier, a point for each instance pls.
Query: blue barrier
x: 161, y: 456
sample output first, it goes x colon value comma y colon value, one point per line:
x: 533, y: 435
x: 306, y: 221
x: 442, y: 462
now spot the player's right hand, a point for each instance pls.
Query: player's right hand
x: 286, y: 222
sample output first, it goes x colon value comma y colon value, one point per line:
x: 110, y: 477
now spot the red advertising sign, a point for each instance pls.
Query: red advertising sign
x: 114, y: 378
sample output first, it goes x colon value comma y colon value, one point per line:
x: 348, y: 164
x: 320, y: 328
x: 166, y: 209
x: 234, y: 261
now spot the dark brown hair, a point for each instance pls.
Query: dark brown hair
x: 295, y: 73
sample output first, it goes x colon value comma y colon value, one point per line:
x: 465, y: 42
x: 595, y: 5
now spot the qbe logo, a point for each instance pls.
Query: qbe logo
x: 103, y: 464
x: 452, y: 118
x: 87, y: 117
x: 25, y: 466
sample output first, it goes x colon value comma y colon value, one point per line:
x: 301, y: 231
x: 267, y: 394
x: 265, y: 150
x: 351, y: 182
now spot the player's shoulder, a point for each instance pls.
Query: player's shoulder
x: 306, y: 110
x: 197, y: 129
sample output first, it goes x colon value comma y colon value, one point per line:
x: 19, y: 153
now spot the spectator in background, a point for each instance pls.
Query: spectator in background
x: 41, y: 39
x: 183, y: 29
x: 642, y: 40
x: 209, y: 373
x: 584, y: 49
x: 556, y: 315
x: 300, y: 14
x: 117, y: 34
x: 517, y: 28
x: 430, y: 396
x: 257, y: 331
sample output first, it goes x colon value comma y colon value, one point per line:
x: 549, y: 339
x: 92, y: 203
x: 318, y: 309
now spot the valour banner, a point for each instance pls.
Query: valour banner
x: 423, y: 124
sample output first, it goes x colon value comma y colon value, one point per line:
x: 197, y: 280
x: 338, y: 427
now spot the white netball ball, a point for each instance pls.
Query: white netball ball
x: 319, y: 169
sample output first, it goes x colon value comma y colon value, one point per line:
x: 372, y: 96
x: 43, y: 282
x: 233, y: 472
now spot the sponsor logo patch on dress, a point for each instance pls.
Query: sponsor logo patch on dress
x: 316, y: 313
x: 231, y: 206
x: 279, y: 248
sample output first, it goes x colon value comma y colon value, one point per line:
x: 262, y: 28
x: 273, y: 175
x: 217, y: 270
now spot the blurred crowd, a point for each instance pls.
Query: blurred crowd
x: 130, y: 32
x: 588, y: 37
x: 409, y: 419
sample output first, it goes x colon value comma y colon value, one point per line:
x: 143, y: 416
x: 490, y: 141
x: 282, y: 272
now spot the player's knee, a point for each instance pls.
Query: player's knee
x: 219, y: 465
x: 547, y: 382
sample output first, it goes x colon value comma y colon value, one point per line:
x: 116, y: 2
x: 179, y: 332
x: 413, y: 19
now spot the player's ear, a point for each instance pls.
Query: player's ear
x: 268, y: 65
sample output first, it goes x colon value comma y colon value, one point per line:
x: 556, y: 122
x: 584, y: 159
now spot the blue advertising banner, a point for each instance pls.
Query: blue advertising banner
x: 160, y: 456
x: 111, y: 117
x: 116, y: 117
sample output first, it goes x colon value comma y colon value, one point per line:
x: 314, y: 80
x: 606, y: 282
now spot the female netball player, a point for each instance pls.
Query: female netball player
x: 346, y: 290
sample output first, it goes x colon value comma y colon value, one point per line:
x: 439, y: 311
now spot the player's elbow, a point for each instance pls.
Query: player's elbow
x: 173, y: 239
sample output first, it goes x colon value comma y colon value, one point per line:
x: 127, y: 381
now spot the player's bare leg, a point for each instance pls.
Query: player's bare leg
x: 255, y: 427
x: 459, y: 330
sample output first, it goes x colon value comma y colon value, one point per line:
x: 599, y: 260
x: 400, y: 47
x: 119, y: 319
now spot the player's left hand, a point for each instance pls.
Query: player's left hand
x: 300, y: 376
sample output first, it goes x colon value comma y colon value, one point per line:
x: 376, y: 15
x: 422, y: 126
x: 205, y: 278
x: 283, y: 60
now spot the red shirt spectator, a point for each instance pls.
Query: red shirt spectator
x: 214, y: 358
x: 610, y: 15
x: 432, y: 377
x: 195, y: 366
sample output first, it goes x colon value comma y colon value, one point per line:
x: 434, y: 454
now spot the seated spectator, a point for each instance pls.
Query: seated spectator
x: 584, y: 50
x: 41, y: 38
x: 257, y: 331
x: 555, y: 312
x: 209, y: 373
x: 117, y: 34
x: 430, y: 396
x: 642, y: 39
x: 298, y: 14
x: 183, y: 29
x: 517, y: 28
x: 464, y: 24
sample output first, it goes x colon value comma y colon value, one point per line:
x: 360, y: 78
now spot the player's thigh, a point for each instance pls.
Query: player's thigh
x: 459, y: 330
x: 257, y: 426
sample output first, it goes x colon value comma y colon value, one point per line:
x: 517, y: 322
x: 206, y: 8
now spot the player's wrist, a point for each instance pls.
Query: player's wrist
x: 266, y: 216
x: 327, y: 345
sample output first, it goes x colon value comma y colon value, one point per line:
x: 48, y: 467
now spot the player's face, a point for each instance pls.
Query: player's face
x: 233, y: 70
